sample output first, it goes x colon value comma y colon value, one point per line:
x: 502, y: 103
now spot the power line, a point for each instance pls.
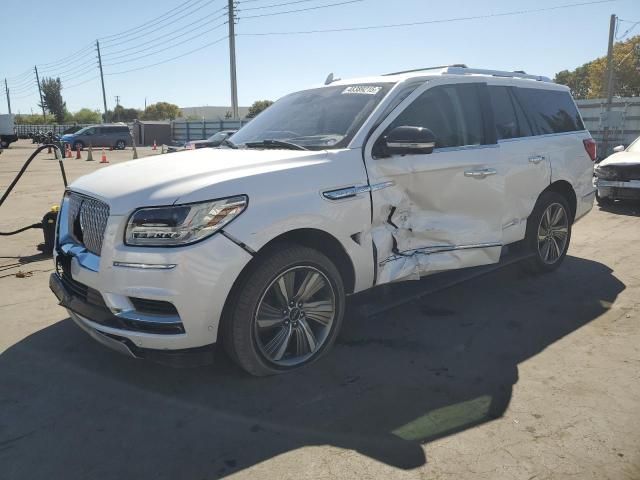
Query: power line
x: 82, y: 83
x: 628, y: 30
x: 165, y: 48
x: 273, y: 5
x: 69, y: 68
x: 165, y: 37
x: 302, y: 9
x: 124, y: 32
x: 155, y: 27
x: 427, y: 22
x: 169, y: 59
x: 64, y: 59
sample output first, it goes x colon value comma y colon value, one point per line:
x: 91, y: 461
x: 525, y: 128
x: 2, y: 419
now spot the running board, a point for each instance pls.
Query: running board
x: 388, y: 296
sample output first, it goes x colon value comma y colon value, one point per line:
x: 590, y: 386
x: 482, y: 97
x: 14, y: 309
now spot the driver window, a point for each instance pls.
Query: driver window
x: 90, y: 131
x: 451, y: 112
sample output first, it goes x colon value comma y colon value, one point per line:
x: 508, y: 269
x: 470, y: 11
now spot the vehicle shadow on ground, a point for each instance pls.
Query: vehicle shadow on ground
x: 394, y: 382
x: 623, y: 207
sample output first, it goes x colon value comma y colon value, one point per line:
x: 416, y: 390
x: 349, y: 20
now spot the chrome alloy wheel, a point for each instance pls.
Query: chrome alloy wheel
x: 294, y: 316
x: 553, y: 233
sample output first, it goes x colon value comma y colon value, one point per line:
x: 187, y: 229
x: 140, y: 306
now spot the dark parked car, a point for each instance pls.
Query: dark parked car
x: 213, y: 141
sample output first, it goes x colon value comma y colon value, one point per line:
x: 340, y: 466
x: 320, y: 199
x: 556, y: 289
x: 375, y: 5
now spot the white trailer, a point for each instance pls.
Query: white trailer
x: 7, y: 130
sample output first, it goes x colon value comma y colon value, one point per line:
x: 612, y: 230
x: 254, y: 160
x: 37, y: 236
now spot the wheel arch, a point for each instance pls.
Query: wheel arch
x: 314, y: 238
x: 565, y: 189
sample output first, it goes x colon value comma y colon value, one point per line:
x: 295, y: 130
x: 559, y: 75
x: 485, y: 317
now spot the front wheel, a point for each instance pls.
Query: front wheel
x: 120, y: 145
x: 548, y: 232
x: 286, y: 313
x: 603, y: 201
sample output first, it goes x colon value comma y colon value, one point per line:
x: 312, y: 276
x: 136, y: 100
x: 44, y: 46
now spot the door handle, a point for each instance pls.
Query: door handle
x: 536, y: 159
x: 481, y: 173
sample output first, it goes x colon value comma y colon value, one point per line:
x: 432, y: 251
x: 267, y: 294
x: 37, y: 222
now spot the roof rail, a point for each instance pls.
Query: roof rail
x: 461, y: 65
x: 461, y: 69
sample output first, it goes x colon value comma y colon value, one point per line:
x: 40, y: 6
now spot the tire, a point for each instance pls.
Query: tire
x: 264, y: 334
x: 78, y: 144
x: 546, y: 259
x: 121, y: 145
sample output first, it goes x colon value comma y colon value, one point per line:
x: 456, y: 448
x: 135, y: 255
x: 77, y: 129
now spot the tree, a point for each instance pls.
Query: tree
x: 258, y: 106
x: 161, y: 111
x: 52, y: 98
x: 86, y: 115
x: 589, y: 80
x: 32, y: 119
x: 122, y: 114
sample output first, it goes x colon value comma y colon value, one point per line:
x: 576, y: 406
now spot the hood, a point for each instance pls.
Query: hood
x: 621, y: 158
x: 196, y: 175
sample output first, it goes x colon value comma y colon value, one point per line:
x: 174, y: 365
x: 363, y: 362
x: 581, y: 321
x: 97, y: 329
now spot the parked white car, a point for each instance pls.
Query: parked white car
x: 617, y: 177
x: 328, y: 192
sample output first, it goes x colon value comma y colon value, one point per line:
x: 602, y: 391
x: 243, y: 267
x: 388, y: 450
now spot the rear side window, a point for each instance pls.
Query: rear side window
x: 451, y: 112
x: 508, y: 117
x: 550, y: 111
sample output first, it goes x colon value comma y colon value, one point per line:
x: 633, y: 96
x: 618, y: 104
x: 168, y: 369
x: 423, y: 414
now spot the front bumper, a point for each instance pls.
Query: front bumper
x: 195, y: 286
x: 616, y: 189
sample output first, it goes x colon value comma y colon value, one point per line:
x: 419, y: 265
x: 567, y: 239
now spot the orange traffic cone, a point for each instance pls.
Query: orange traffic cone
x: 103, y: 158
x: 155, y: 147
x: 111, y: 148
x: 68, y: 152
x: 78, y: 156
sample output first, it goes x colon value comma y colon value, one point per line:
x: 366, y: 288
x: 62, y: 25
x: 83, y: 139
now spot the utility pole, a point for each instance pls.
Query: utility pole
x: 232, y: 61
x: 44, y: 115
x: 104, y: 95
x: 610, y: 80
x: 6, y: 90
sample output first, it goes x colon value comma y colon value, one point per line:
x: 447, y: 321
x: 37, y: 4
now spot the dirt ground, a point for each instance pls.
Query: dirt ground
x: 505, y: 376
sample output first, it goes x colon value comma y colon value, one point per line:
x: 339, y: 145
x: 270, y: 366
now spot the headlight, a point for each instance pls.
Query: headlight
x: 182, y: 224
x: 606, y: 173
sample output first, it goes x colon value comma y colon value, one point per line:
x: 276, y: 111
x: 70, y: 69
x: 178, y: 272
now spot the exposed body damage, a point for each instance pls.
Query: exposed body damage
x: 415, y: 232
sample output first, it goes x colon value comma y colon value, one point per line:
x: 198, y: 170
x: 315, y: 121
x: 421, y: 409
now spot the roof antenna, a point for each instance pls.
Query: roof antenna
x: 330, y: 79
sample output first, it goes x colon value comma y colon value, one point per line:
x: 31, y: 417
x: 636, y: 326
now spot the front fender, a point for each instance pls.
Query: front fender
x: 265, y: 220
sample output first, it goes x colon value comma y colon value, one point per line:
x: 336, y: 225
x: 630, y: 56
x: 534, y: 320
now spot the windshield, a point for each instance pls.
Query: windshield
x: 635, y: 146
x: 318, y: 119
x: 217, y: 137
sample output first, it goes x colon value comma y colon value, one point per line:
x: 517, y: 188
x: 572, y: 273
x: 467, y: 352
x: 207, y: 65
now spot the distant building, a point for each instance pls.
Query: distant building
x: 212, y: 113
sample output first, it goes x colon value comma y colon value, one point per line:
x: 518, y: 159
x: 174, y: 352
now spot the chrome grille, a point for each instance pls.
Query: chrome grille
x: 87, y: 221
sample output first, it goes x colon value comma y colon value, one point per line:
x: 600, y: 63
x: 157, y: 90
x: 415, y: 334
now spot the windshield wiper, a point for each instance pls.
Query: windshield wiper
x: 275, y: 143
x: 229, y: 143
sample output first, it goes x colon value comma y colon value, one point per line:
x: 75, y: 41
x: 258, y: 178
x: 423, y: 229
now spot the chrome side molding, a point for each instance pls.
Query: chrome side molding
x: 350, y: 192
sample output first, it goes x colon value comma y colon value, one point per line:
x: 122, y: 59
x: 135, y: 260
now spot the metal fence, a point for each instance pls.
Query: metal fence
x: 23, y: 131
x: 186, y: 130
x: 620, y: 126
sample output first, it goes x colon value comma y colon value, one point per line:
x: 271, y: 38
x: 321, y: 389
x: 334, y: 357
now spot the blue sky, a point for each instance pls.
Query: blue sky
x: 271, y: 66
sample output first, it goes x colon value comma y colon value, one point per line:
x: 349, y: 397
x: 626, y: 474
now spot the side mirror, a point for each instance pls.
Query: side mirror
x: 407, y: 139
x: 619, y: 148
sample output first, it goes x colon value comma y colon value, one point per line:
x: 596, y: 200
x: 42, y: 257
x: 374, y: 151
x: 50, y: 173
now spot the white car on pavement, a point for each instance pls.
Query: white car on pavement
x: 330, y: 191
x: 617, y: 177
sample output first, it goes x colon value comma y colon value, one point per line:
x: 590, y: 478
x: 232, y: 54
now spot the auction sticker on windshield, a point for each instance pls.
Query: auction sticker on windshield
x: 362, y: 89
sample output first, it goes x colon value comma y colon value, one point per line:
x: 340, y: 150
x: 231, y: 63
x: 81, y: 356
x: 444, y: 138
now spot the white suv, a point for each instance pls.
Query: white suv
x: 330, y: 191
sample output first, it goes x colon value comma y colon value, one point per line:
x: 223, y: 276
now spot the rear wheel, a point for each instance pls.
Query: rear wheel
x: 120, y: 145
x: 286, y: 313
x: 548, y: 232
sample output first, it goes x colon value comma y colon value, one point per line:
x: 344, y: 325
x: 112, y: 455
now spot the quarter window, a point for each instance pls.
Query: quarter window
x: 451, y: 112
x: 509, y: 119
x: 550, y: 111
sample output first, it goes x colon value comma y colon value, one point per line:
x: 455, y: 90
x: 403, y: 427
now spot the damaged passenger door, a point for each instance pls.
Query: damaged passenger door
x: 441, y: 208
